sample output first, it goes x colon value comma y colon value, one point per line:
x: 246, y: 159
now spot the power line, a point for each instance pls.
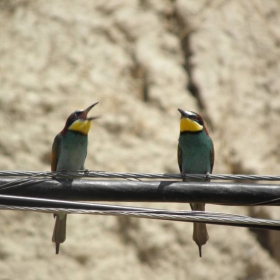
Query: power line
x: 68, y: 207
x: 224, y: 193
x: 150, y: 176
x: 56, y: 192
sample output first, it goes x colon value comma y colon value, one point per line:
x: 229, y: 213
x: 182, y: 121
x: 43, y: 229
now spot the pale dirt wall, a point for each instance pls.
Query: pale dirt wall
x: 58, y: 56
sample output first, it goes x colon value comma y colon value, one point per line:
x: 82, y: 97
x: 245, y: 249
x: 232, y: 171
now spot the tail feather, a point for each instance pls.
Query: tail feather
x: 59, y: 232
x: 200, y: 234
x: 57, y: 248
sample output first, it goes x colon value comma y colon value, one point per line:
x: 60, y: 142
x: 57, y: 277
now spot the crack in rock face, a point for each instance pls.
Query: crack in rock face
x: 57, y: 57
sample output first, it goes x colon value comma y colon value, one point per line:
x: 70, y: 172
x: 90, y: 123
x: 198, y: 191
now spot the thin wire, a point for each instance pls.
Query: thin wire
x: 69, y: 207
x: 32, y: 202
x: 118, y: 175
x: 184, y: 216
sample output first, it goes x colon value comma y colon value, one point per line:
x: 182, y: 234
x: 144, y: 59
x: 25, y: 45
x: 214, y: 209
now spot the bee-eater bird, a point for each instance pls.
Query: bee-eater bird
x: 195, y: 156
x: 69, y: 151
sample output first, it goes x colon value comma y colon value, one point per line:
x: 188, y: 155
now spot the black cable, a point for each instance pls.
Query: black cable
x: 144, y: 191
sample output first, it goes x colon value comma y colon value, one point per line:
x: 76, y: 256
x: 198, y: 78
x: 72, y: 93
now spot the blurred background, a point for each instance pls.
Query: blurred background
x: 141, y: 59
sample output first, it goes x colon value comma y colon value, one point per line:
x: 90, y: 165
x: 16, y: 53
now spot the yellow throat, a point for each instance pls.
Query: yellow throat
x: 81, y: 126
x: 187, y: 125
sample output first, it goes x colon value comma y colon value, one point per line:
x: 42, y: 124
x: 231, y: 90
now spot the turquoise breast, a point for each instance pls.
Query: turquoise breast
x: 73, y: 151
x: 196, y: 152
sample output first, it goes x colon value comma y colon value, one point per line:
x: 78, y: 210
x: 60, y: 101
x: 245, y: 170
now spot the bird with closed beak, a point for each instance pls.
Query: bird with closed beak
x: 69, y: 151
x: 195, y: 156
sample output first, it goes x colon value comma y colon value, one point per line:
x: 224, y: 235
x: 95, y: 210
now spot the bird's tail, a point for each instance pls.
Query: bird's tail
x: 59, y: 232
x: 200, y: 234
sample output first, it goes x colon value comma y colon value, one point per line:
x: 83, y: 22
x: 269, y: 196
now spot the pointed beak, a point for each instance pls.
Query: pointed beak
x: 183, y: 113
x: 83, y: 116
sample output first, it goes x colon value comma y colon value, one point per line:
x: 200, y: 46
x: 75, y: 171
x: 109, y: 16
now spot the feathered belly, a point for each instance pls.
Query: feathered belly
x: 196, y: 164
x: 72, y: 154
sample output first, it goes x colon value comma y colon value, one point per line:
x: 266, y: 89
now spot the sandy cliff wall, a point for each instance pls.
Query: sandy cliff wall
x: 141, y: 60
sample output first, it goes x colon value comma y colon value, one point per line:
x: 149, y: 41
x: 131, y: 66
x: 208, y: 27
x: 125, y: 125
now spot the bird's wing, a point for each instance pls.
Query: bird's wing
x: 83, y: 167
x: 55, y: 151
x: 212, y: 157
x: 179, y: 157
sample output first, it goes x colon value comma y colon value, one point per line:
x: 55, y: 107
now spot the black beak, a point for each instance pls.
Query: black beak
x: 183, y: 113
x: 83, y: 116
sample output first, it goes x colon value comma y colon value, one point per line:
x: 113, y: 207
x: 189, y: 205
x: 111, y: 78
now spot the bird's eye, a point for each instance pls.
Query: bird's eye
x: 198, y: 120
x: 75, y: 116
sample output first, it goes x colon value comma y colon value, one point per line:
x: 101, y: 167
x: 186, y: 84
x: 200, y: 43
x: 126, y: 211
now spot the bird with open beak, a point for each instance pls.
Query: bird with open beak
x: 69, y: 151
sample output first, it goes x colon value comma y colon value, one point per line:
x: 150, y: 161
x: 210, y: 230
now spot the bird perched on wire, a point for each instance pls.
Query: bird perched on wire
x: 69, y: 151
x: 195, y: 156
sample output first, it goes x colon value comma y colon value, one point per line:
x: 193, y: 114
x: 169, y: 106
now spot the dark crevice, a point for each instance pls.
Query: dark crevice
x: 145, y: 88
x: 192, y: 86
x: 139, y: 74
x: 262, y: 236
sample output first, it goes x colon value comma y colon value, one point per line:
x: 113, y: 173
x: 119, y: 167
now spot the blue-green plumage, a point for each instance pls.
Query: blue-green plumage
x: 72, y: 151
x: 196, y: 152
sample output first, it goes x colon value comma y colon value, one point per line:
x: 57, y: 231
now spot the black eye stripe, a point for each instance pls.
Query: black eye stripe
x: 76, y: 115
x: 196, y: 119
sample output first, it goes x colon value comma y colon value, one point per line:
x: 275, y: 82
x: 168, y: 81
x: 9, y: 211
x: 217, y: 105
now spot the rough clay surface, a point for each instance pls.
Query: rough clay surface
x: 138, y: 59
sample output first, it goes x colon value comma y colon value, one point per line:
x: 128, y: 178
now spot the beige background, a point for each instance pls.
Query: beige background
x: 141, y: 60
